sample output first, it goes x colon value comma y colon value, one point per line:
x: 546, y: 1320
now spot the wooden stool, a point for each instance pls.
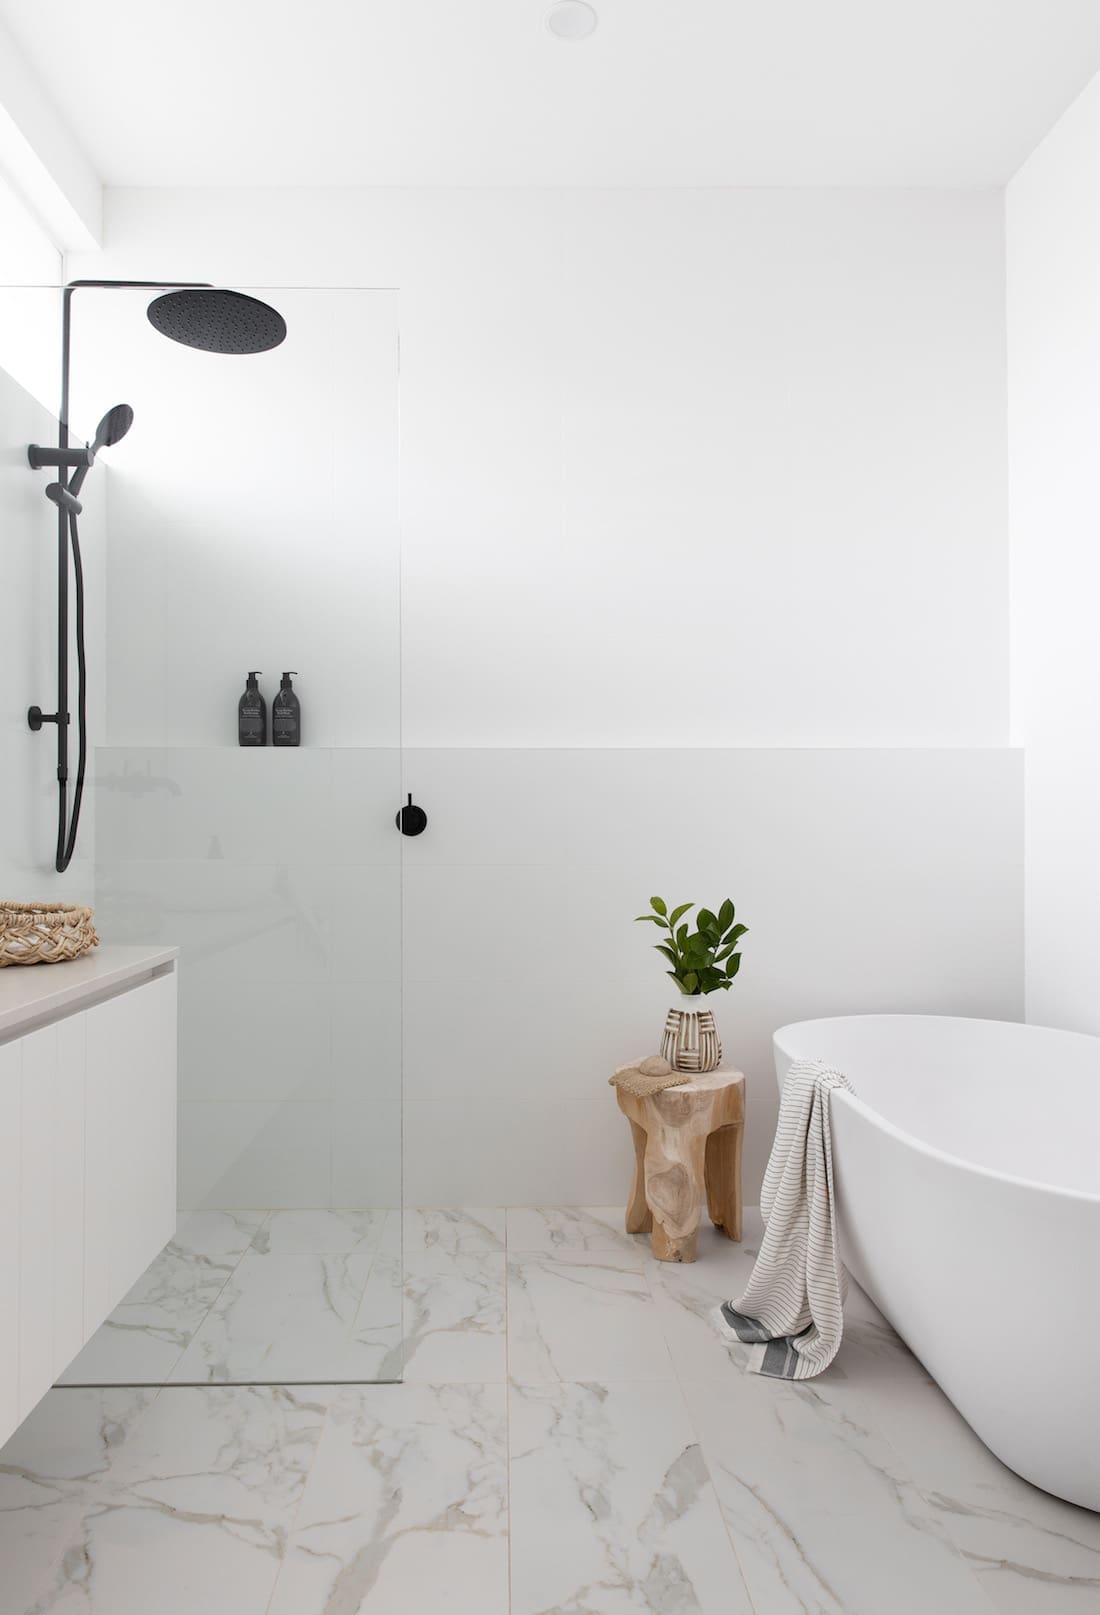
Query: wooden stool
x: 686, y: 1139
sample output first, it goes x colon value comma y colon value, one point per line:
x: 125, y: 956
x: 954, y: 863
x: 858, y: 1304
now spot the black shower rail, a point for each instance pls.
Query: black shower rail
x: 199, y: 315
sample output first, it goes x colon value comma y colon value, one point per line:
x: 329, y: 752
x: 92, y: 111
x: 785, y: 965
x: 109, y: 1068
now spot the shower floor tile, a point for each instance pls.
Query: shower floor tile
x: 281, y: 1318
x: 578, y: 1441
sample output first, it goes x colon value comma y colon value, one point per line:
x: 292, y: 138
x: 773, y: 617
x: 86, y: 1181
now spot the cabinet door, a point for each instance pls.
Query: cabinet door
x: 51, y: 1204
x: 67, y: 1132
x: 36, y: 1218
x: 130, y: 1140
x: 11, y: 1066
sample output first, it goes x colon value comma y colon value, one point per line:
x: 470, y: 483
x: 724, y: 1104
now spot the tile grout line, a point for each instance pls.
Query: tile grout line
x: 678, y: 1380
x: 507, y: 1410
x: 292, y: 1523
x: 166, y: 1382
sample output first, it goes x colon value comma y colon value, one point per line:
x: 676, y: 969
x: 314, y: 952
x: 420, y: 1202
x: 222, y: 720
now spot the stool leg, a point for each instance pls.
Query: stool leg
x: 639, y: 1218
x: 723, y: 1174
x: 674, y: 1161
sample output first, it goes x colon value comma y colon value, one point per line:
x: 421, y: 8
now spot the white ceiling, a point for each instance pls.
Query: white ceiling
x: 477, y: 92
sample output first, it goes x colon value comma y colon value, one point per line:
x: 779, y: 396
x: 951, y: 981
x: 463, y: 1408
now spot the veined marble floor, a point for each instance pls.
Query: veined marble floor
x: 572, y: 1438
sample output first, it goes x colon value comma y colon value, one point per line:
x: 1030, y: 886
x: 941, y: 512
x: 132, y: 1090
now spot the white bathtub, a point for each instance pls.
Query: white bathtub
x: 968, y: 1184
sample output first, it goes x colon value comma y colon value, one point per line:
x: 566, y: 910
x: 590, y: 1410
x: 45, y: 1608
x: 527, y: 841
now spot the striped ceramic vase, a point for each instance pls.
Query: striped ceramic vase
x: 691, y: 1041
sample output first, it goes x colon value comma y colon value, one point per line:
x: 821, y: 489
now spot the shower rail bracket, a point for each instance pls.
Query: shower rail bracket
x: 36, y: 718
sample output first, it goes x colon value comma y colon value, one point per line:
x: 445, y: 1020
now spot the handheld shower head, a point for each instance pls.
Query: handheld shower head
x: 217, y: 321
x: 114, y: 426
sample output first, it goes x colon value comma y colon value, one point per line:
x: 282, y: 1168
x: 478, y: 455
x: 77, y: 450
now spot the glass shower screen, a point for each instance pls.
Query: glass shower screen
x: 252, y: 524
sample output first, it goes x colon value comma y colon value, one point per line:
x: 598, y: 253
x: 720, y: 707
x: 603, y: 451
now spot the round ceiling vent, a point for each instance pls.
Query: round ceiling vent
x: 571, y: 20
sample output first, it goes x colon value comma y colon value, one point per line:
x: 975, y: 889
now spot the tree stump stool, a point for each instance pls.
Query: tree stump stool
x: 687, y: 1140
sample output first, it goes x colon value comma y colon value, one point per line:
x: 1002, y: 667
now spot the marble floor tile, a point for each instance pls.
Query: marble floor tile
x: 320, y: 1233
x: 144, y: 1337
x: 217, y: 1233
x: 583, y: 1315
x: 612, y: 1506
x: 280, y: 1318
x: 859, y: 1493
x: 1029, y: 1549
x: 556, y: 1228
x: 49, y: 1473
x: 872, y: 1352
x: 454, y: 1318
x: 196, y: 1511
x: 378, y: 1332
x: 468, y: 1232
x: 406, y: 1508
x: 820, y: 1507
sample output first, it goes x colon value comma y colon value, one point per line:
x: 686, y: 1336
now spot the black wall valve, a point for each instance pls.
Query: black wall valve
x: 411, y: 820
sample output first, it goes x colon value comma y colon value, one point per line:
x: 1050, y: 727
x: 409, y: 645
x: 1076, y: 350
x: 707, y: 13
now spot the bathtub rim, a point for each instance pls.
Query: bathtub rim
x: 932, y: 1151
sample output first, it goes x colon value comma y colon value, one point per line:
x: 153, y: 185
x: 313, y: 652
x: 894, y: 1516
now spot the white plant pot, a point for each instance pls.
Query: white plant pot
x: 691, y: 1041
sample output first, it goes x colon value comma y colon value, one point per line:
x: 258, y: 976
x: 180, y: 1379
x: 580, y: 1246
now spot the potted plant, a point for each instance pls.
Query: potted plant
x: 703, y: 961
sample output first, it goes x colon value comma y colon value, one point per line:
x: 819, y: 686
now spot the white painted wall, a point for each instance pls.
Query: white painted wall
x: 30, y: 315
x: 713, y: 470
x: 765, y: 428
x: 1053, y: 235
x: 253, y: 518
x: 30, y: 308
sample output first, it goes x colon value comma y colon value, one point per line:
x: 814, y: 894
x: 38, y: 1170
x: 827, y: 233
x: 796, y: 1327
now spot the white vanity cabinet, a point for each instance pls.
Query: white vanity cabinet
x: 87, y: 1153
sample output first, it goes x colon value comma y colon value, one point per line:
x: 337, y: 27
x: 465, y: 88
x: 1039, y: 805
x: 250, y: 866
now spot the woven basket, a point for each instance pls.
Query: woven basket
x: 44, y: 933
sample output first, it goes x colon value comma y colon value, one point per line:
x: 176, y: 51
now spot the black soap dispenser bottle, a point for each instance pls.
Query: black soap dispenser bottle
x: 286, y: 714
x: 252, y: 715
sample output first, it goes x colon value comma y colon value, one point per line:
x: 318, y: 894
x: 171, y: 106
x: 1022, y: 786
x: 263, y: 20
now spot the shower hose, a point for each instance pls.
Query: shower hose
x: 66, y: 830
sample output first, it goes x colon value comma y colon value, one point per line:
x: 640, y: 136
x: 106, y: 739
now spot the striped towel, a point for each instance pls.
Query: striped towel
x: 792, y: 1314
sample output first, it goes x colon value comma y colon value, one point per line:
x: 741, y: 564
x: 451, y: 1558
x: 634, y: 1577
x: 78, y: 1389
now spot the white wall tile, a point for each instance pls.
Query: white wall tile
x: 519, y: 1153
x: 366, y: 1040
x: 255, y: 1155
x: 870, y: 880
x: 258, y: 1041
x: 366, y: 1153
x: 261, y: 806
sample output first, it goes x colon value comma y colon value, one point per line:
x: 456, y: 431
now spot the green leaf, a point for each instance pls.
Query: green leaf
x: 675, y: 977
x: 653, y: 919
x: 733, y: 966
x: 682, y: 936
x: 706, y: 921
x: 659, y: 904
x: 725, y: 915
x: 736, y: 933
x: 690, y: 982
x: 669, y: 953
x: 678, y: 913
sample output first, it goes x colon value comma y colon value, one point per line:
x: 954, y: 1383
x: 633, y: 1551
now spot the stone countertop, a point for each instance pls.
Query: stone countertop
x: 32, y: 995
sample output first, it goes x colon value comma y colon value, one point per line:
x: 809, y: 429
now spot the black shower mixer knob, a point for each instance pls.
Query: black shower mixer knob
x: 411, y: 820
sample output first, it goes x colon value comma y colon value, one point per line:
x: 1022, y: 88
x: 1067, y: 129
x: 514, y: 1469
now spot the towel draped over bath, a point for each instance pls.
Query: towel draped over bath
x: 791, y: 1316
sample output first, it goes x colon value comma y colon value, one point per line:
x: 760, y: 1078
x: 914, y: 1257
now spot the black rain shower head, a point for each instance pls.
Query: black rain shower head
x: 217, y: 321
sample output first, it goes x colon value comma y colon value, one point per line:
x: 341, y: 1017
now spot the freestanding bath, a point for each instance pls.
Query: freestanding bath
x: 968, y: 1187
